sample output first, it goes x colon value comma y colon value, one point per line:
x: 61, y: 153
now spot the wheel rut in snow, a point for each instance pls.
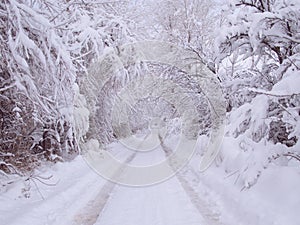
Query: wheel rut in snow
x: 202, y: 206
x: 90, y: 213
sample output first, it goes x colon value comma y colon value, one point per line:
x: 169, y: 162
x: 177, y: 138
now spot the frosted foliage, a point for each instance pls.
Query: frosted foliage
x: 45, y: 49
x: 101, y: 71
x: 69, y: 75
x: 258, y: 54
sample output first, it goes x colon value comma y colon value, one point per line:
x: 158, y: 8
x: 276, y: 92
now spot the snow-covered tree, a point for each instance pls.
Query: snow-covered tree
x: 46, y: 47
x: 188, y: 23
x: 36, y: 87
x: 259, y: 58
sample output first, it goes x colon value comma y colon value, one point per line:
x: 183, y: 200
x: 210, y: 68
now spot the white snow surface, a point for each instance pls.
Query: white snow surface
x: 75, y: 194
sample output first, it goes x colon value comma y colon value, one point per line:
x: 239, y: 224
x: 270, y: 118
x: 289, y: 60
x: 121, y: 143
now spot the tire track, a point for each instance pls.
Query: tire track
x: 90, y: 213
x: 95, y: 207
x: 211, y: 218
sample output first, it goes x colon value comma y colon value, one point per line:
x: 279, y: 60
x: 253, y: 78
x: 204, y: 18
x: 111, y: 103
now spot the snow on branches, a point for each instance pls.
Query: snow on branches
x: 46, y: 47
x: 258, y: 51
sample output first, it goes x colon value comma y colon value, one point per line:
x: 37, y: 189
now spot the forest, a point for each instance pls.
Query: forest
x: 51, y: 102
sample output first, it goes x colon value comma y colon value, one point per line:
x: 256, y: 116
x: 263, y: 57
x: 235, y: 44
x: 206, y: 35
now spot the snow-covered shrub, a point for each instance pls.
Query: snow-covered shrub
x: 36, y: 87
x: 258, y: 52
x: 46, y: 47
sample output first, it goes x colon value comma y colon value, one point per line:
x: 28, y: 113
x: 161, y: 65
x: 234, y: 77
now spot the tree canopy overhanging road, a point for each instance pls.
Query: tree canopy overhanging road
x: 147, y: 112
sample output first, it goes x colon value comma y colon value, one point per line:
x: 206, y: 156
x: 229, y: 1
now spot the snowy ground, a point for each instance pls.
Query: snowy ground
x: 75, y: 194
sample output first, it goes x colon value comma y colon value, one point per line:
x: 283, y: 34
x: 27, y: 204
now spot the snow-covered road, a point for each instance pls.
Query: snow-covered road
x: 76, y: 195
x: 172, y: 202
x: 162, y: 204
x: 80, y: 196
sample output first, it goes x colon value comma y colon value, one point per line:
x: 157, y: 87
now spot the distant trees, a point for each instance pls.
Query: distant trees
x: 188, y: 23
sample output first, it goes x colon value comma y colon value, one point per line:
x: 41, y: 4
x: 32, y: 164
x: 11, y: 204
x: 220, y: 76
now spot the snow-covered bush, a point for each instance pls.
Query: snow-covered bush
x: 258, y: 52
x: 46, y: 47
x: 36, y: 88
